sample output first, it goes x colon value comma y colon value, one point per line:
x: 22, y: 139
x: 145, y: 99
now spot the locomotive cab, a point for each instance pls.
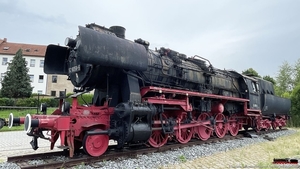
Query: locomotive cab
x: 253, y: 93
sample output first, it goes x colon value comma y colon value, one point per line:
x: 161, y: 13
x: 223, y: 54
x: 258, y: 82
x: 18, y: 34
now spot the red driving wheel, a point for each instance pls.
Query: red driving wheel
x: 183, y: 135
x: 220, y: 126
x: 158, y: 138
x: 203, y: 132
x: 258, y: 124
x: 233, y: 125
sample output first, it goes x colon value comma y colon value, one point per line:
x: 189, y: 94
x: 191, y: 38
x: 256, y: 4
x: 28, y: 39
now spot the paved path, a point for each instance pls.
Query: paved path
x: 14, y: 143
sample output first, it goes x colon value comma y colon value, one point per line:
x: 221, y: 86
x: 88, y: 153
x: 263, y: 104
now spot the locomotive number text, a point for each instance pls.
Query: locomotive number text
x: 74, y: 69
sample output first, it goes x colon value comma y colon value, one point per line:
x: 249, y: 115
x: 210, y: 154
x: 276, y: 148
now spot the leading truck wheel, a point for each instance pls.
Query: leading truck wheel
x: 95, y: 145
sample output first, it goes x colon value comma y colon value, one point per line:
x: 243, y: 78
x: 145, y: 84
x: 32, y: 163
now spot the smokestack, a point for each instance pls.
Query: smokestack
x: 119, y: 31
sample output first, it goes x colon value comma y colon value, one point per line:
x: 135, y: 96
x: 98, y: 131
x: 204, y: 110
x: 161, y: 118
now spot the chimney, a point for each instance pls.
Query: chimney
x: 5, y: 40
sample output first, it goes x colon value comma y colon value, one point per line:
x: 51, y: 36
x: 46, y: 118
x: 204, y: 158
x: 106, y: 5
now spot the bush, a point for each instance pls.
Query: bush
x: 7, y: 102
x: 83, y: 99
x: 27, y: 102
x: 295, y: 98
x: 50, y: 102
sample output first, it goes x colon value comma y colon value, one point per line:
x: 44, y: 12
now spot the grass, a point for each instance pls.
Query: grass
x: 284, y: 147
x: 263, y: 154
x: 14, y: 128
x: 182, y: 158
x: 4, y: 113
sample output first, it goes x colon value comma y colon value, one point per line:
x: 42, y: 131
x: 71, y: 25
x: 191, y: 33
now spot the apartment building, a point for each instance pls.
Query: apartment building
x: 34, y: 55
x: 57, y: 85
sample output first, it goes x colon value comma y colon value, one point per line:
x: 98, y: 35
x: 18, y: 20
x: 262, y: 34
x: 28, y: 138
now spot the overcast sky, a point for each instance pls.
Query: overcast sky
x: 232, y: 34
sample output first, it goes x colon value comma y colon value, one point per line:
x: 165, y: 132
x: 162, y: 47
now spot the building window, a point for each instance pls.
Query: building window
x: 41, y: 63
x: 40, y: 91
x: 31, y: 78
x: 41, y: 78
x: 32, y: 62
x: 54, y: 79
x: 4, y: 61
x: 61, y: 93
x: 2, y: 76
x: 53, y: 93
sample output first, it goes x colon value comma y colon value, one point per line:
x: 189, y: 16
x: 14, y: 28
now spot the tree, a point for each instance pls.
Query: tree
x: 250, y: 72
x: 297, y: 73
x: 16, y: 82
x: 284, y: 79
x: 295, y: 99
x: 270, y: 79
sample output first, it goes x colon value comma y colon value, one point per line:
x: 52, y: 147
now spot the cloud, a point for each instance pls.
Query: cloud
x: 232, y: 34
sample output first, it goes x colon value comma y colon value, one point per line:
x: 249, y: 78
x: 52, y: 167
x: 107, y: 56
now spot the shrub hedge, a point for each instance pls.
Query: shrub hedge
x: 33, y: 101
x: 83, y: 99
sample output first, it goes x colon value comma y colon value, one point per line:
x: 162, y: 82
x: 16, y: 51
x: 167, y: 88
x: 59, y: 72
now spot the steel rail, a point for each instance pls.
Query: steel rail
x: 112, y: 153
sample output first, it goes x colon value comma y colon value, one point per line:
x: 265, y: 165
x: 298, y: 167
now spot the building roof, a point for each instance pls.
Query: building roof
x: 9, y: 48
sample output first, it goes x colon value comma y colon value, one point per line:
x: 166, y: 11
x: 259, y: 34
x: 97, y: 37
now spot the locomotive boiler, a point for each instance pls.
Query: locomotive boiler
x: 144, y: 96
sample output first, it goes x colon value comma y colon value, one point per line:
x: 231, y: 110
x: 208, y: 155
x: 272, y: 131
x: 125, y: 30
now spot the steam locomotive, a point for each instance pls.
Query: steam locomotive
x: 144, y: 96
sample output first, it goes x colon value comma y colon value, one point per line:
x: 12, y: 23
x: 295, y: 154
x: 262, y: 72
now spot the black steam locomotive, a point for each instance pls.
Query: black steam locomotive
x: 149, y: 96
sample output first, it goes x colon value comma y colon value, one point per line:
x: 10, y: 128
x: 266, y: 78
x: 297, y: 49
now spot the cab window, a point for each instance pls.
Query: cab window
x: 254, y: 87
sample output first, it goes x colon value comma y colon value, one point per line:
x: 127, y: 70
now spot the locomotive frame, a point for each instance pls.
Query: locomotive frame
x: 147, y: 97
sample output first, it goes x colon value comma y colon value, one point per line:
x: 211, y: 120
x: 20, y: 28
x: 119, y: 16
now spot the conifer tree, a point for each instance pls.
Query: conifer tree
x: 16, y: 82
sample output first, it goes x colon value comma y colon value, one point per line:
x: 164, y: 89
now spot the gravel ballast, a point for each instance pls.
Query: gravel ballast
x: 156, y: 160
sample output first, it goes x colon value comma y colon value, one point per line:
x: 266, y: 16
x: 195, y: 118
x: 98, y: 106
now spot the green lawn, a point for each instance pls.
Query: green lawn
x: 4, y: 113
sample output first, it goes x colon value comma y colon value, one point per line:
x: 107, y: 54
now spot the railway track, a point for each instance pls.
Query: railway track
x: 60, y: 159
